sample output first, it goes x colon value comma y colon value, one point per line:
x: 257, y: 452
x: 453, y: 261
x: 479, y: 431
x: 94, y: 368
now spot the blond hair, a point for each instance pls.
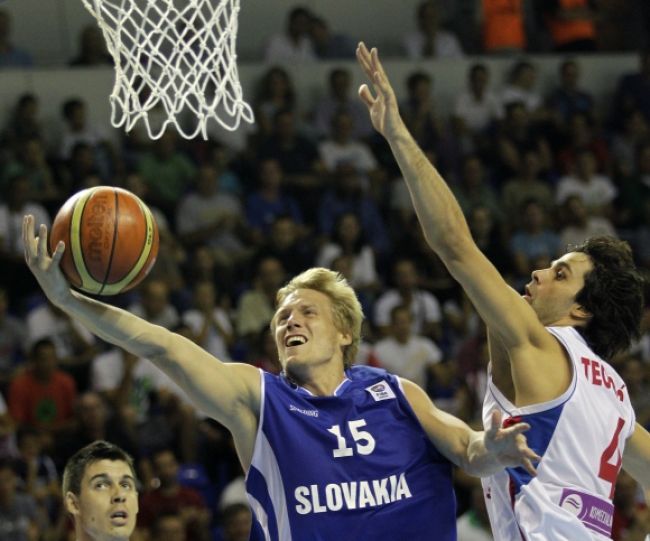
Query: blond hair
x: 346, y: 309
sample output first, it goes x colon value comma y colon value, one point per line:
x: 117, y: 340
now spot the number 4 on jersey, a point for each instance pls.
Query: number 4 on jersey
x: 365, y: 443
x: 609, y: 471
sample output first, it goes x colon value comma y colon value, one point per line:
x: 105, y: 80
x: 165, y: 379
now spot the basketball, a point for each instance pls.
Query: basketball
x: 111, y: 240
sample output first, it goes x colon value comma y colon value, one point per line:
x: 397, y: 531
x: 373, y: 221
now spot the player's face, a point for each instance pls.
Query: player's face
x: 552, y: 291
x: 107, y: 505
x: 305, y: 332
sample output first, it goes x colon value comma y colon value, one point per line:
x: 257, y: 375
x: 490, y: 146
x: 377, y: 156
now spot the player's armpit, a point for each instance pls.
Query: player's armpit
x: 636, y: 457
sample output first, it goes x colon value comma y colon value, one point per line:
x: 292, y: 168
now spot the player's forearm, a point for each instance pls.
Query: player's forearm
x: 115, y: 325
x: 439, y: 213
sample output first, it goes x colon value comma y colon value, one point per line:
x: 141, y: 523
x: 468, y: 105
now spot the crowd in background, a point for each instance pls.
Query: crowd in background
x: 534, y: 174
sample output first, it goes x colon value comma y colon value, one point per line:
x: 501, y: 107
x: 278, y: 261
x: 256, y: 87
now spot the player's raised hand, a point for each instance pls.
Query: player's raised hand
x: 509, y: 444
x: 382, y: 106
x: 45, y: 268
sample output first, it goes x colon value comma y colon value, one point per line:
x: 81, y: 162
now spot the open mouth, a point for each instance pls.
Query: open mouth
x: 119, y: 517
x: 295, y: 340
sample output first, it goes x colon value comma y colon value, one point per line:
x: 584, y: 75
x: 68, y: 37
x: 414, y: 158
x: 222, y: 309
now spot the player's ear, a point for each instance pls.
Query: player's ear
x: 346, y: 338
x: 580, y: 313
x: 72, y: 503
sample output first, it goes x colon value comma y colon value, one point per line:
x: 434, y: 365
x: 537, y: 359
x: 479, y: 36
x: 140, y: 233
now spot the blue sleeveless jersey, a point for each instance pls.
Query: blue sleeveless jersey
x: 356, y: 465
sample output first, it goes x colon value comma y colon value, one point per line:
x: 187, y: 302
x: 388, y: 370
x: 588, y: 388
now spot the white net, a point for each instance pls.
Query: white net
x: 175, y: 59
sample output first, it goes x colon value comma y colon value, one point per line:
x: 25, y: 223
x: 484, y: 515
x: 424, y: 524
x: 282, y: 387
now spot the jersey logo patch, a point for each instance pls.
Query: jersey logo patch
x: 381, y: 391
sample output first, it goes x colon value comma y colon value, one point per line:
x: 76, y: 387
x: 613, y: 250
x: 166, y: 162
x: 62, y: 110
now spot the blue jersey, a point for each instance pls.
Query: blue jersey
x: 355, y: 465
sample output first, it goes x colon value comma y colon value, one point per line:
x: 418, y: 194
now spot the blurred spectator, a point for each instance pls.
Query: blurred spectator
x: 634, y: 191
x: 430, y: 40
x: 424, y: 307
x: 209, y: 321
x: 568, y: 98
x: 169, y: 526
x: 289, y: 244
x: 78, y: 129
x: 13, y: 341
x: 474, y: 524
x: 12, y: 211
x: 570, y: 24
x: 597, y: 191
x: 270, y: 200
x: 582, y: 134
x: 525, y: 185
x: 341, y: 147
x: 275, y: 93
x: 641, y: 237
x: 477, y: 106
x: 534, y: 245
x: 347, y: 195
x: 633, y: 92
x: 329, y: 45
x: 264, y: 355
x: 31, y: 163
x: 419, y: 111
x: 578, y: 225
x: 8, y: 446
x: 349, y: 239
x: 298, y: 158
x: 626, y: 506
x: 502, y: 26
x: 92, y: 48
x: 210, y: 217
x: 93, y: 422
x: 10, y: 55
x: 37, y: 472
x: 516, y: 134
x: 167, y: 172
x: 74, y: 344
x: 81, y: 165
x: 256, y: 306
x: 407, y: 354
x: 235, y: 523
x: 341, y: 99
x: 474, y: 188
x: 487, y: 237
x: 170, y: 496
x: 43, y: 396
x: 19, y: 516
x: 154, y: 305
x: 521, y: 87
x: 626, y: 144
x: 24, y: 121
x: 294, y: 46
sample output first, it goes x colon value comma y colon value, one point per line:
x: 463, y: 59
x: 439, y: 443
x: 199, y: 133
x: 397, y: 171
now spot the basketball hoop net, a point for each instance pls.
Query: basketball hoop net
x: 172, y: 61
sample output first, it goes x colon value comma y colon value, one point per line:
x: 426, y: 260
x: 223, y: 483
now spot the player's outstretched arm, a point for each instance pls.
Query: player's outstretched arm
x: 636, y: 457
x: 478, y: 453
x: 229, y: 392
x: 447, y: 232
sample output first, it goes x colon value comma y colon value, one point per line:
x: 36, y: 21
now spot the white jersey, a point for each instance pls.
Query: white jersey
x: 580, y: 437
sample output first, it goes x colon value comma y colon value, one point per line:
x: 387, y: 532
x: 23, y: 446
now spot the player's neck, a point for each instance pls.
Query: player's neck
x: 318, y: 380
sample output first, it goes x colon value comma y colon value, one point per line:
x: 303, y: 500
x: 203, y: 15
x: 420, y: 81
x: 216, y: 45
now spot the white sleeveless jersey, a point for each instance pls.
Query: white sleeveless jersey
x: 580, y: 437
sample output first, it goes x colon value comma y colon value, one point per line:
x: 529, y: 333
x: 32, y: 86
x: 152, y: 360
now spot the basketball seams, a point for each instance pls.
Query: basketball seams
x: 116, y: 287
x: 109, y: 264
x: 88, y: 283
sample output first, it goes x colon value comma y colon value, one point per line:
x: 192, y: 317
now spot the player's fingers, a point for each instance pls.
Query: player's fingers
x: 528, y: 466
x: 532, y: 454
x: 58, y: 253
x: 363, y: 56
x: 41, y: 250
x: 495, y: 422
x: 517, y: 429
x: 28, y: 237
x: 366, y: 95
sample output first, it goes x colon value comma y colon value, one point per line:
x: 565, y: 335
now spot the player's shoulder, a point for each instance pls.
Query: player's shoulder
x: 362, y: 374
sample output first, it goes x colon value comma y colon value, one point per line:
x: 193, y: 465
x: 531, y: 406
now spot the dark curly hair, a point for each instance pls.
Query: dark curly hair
x: 612, y: 294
